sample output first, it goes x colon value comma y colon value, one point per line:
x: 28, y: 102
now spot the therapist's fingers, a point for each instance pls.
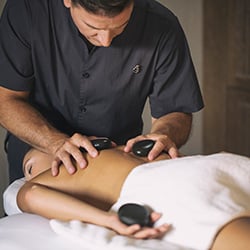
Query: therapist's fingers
x: 71, y: 169
x: 174, y: 152
x: 83, y: 142
x: 70, y: 154
x: 55, y: 167
x: 129, y: 145
x: 162, y: 143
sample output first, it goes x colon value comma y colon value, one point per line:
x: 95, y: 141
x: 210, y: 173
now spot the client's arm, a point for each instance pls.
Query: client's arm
x: 68, y: 197
x: 39, y: 199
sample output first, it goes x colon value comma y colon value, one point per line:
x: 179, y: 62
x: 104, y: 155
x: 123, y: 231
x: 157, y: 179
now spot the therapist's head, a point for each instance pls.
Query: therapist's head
x: 109, y: 8
x: 100, y: 21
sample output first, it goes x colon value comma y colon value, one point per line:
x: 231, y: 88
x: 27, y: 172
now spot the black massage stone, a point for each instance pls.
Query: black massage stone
x: 101, y: 143
x: 132, y: 213
x: 142, y: 148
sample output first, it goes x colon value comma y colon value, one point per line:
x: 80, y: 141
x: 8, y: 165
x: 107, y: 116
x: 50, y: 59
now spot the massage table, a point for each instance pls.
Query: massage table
x: 32, y: 232
x: 228, y: 194
x: 23, y: 231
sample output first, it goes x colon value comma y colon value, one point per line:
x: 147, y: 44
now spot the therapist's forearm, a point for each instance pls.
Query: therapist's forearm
x: 176, y: 126
x: 25, y: 122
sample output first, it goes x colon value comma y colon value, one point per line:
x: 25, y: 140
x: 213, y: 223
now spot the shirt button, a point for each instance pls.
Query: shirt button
x: 85, y: 75
x: 83, y: 108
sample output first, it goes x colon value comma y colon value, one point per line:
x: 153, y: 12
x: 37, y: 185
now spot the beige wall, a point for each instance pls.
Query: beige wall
x: 2, y: 2
x: 191, y: 17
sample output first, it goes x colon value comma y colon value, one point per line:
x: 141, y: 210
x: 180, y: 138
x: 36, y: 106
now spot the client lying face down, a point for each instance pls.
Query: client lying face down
x: 89, y: 194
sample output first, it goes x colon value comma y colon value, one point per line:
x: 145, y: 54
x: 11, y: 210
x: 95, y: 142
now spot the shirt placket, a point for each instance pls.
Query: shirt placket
x: 85, y: 78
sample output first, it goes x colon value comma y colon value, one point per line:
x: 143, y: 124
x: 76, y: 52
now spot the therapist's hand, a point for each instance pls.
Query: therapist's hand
x: 162, y: 143
x: 68, y: 152
x: 169, y: 132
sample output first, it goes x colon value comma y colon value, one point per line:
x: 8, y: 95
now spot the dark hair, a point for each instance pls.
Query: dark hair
x: 103, y: 7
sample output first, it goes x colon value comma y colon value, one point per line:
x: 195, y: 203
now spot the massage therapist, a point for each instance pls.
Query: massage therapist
x: 73, y: 70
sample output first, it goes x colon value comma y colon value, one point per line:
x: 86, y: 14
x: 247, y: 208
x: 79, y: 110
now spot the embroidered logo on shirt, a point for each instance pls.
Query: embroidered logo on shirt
x: 137, y: 69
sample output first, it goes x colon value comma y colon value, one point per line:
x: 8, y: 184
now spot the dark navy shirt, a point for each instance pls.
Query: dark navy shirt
x: 97, y: 91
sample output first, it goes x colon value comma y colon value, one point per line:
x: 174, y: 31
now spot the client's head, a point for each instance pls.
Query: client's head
x: 35, y: 162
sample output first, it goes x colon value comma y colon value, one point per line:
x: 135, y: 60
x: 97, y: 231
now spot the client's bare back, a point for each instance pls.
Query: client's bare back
x: 101, y: 182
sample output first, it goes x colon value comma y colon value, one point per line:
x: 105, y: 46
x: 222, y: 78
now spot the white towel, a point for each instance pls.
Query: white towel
x: 94, y: 237
x: 10, y: 196
x: 197, y: 194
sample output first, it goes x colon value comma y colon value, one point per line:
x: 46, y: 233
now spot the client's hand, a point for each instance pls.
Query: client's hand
x: 135, y: 231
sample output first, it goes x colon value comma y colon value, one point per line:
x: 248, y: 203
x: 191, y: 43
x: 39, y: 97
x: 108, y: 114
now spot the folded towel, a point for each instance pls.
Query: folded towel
x: 10, y: 196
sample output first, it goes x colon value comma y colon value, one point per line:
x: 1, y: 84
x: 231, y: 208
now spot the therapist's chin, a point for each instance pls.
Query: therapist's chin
x: 98, y: 43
